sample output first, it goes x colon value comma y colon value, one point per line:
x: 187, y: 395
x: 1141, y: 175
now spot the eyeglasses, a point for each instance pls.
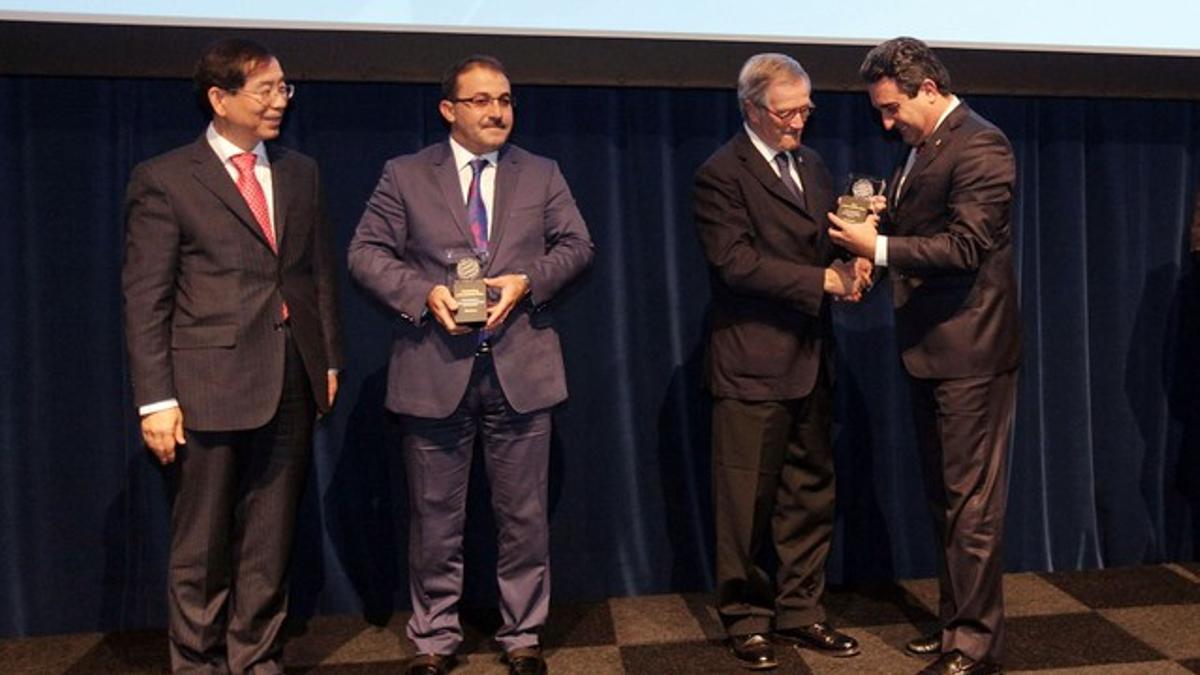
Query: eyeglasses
x: 267, y: 94
x: 786, y: 116
x: 484, y: 101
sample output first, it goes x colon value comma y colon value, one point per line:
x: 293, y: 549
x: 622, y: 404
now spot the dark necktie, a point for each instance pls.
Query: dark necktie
x: 476, y: 211
x: 785, y: 174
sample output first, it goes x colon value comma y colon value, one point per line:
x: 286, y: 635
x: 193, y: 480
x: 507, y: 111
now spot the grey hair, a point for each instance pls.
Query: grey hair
x: 759, y: 71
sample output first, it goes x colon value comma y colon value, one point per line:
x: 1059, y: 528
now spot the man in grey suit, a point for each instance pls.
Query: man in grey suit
x: 231, y: 326
x: 472, y: 203
x: 948, y: 250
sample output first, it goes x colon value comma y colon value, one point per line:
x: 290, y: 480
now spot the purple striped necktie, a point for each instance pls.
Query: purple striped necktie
x: 476, y: 211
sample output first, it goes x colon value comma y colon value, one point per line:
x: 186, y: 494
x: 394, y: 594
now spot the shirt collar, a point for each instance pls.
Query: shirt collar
x: 463, y: 157
x: 225, y: 149
x: 765, y: 150
x: 954, y: 101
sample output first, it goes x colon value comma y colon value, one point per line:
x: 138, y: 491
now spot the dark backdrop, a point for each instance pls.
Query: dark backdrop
x: 1106, y: 466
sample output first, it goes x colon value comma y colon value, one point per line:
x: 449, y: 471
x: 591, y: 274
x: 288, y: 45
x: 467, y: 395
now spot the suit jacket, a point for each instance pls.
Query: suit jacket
x: 767, y: 254
x: 950, y: 253
x: 203, y: 289
x: 416, y: 218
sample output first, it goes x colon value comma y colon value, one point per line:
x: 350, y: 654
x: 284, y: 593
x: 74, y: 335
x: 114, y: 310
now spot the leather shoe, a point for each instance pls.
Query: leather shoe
x: 431, y: 664
x: 924, y: 645
x: 753, y: 651
x: 956, y: 663
x: 822, y: 637
x: 526, y: 661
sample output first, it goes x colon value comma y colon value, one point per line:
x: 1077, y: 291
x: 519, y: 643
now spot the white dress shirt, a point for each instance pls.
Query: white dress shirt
x: 769, y: 153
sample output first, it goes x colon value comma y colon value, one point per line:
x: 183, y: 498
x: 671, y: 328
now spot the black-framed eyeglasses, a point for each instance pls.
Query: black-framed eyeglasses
x: 485, y: 101
x: 267, y: 94
x: 786, y: 116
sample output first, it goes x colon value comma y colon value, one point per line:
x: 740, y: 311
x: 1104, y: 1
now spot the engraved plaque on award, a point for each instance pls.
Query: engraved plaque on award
x: 855, y: 205
x: 469, y: 292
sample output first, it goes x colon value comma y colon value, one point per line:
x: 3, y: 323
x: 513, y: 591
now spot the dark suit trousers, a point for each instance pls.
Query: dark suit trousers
x: 773, y: 483
x: 963, y: 430
x: 236, y: 495
x: 437, y: 456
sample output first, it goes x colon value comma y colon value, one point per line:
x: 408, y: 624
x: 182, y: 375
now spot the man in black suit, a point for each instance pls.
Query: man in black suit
x: 231, y: 327
x: 949, y: 254
x: 760, y: 202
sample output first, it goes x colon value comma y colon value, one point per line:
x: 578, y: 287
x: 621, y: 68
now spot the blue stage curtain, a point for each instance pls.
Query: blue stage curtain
x: 1106, y: 459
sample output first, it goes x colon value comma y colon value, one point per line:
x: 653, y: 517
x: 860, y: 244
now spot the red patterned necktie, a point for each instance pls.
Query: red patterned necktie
x: 252, y: 192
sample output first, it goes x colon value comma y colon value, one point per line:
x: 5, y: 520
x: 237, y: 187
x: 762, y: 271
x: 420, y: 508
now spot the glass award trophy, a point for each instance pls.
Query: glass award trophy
x: 466, y: 284
x: 855, y: 205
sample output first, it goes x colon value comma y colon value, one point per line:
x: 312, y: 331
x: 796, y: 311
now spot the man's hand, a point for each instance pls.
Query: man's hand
x: 857, y: 238
x: 878, y: 204
x: 863, y: 268
x: 162, y: 431
x: 442, y: 305
x: 842, y: 282
x: 331, y: 384
x: 512, y: 287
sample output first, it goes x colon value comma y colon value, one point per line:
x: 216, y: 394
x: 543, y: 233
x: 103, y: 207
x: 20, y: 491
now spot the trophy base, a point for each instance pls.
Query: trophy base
x: 471, y: 296
x: 853, y: 209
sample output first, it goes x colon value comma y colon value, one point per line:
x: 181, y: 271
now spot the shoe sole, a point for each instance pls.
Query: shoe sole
x: 801, y: 644
x: 827, y: 652
x: 770, y: 665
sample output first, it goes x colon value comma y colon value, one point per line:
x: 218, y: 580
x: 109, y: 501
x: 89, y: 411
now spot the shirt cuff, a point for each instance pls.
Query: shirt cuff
x: 158, y: 406
x: 881, y: 250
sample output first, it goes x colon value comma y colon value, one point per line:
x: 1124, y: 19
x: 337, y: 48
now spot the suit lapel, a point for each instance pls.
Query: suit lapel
x: 281, y: 190
x: 893, y: 197
x: 757, y: 166
x: 508, y: 173
x: 932, y: 148
x: 446, y: 174
x: 210, y: 173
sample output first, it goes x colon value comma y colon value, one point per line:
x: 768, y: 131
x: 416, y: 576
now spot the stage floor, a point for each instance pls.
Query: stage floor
x: 1119, y: 621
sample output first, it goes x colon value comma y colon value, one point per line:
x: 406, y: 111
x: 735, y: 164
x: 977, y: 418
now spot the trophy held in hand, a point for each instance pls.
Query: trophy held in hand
x: 855, y: 205
x: 469, y: 291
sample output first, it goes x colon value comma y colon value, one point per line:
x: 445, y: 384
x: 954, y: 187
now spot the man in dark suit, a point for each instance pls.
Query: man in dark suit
x: 760, y: 204
x: 474, y: 204
x: 231, y: 325
x: 949, y: 254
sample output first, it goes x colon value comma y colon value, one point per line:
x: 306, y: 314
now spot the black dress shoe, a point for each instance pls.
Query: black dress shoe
x: 956, y: 663
x: 526, y: 661
x: 822, y: 637
x: 753, y: 651
x: 925, y: 645
x: 430, y: 664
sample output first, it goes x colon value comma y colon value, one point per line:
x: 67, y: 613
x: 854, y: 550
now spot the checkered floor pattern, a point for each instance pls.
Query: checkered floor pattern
x: 1120, y: 621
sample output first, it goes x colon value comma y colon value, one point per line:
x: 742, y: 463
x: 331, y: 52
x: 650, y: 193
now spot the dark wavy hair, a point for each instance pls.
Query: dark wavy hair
x: 909, y: 62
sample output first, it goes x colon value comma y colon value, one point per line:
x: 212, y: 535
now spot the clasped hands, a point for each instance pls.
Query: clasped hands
x: 852, y: 278
x: 848, y: 279
x: 442, y: 305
